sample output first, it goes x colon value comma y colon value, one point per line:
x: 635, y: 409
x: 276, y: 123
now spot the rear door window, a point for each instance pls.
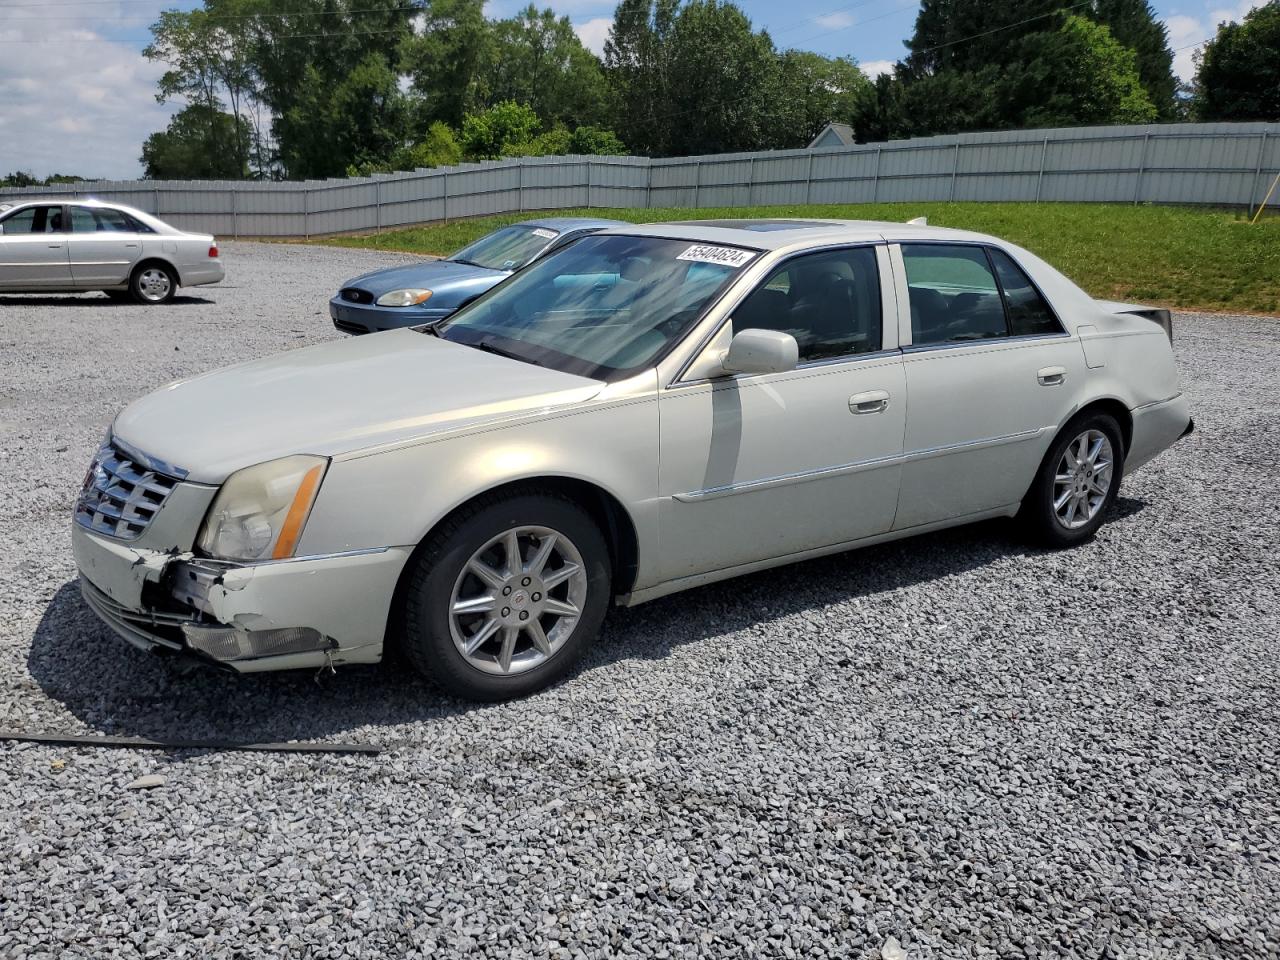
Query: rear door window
x: 954, y: 294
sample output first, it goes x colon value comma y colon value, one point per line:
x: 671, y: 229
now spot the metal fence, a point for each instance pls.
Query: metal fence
x: 1227, y: 164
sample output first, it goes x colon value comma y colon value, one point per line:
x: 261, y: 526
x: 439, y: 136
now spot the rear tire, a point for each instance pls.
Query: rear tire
x: 1077, y: 483
x: 485, y: 626
x: 153, y: 283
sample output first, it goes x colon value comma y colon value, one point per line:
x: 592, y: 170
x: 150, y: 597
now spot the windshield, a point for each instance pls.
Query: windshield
x: 602, y: 307
x: 507, y: 249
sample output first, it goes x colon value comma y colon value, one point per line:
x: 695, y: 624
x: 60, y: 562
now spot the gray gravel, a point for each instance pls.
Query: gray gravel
x: 946, y: 747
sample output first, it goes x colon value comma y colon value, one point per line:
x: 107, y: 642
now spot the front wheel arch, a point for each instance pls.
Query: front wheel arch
x: 613, y: 519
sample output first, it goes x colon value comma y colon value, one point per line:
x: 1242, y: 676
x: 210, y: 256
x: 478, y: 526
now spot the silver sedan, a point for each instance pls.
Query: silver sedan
x: 70, y: 246
x: 642, y: 411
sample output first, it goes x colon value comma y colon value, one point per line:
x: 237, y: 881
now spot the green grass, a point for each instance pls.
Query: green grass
x: 1185, y: 257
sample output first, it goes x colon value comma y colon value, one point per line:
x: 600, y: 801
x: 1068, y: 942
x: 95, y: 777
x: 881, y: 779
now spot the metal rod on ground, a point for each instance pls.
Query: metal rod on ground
x: 1265, y: 199
x: 142, y: 743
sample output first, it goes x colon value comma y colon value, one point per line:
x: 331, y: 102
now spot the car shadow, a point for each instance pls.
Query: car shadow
x: 87, y: 300
x: 115, y: 689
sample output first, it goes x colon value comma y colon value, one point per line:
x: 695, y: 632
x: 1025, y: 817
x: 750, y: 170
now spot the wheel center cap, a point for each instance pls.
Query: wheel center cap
x: 520, y: 598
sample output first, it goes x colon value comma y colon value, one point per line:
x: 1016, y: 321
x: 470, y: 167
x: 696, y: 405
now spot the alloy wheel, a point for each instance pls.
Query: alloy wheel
x: 1083, y: 479
x: 517, y: 600
x: 153, y: 284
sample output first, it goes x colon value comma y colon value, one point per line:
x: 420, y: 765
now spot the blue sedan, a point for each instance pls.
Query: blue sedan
x: 422, y: 292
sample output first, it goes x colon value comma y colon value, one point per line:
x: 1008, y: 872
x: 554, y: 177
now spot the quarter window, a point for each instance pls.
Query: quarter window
x: 830, y: 302
x: 1029, y: 314
x: 954, y: 297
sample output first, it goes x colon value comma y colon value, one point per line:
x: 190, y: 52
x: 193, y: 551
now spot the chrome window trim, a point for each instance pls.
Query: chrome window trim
x: 769, y: 268
x: 889, y: 354
x: 857, y: 466
x: 914, y: 348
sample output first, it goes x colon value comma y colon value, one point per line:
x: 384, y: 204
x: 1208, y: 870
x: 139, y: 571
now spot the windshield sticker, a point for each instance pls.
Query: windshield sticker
x: 725, y: 256
x: 544, y: 234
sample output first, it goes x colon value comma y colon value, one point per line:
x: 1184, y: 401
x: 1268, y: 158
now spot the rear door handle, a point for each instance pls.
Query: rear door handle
x: 873, y: 401
x: 1051, y: 376
x: 55, y: 246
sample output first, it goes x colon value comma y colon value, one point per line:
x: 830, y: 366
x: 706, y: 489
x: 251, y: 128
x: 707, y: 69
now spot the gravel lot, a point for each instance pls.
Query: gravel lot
x: 946, y: 747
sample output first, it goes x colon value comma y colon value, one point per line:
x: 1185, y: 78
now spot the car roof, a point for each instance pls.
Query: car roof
x: 82, y: 201
x: 571, y: 223
x: 765, y: 234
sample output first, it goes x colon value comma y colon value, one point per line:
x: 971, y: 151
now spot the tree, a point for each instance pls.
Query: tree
x: 815, y: 90
x: 1137, y: 26
x: 327, y: 72
x: 194, y: 146
x: 439, y: 148
x: 1238, y: 76
x: 444, y: 58
x: 726, y: 87
x: 1078, y: 75
x: 208, y: 55
x: 595, y: 141
x: 976, y: 65
x: 20, y: 178
x: 499, y: 131
x: 536, y: 58
x: 362, y: 118
x: 637, y: 63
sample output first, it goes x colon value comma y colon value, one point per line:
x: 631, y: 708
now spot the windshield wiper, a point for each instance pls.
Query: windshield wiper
x: 488, y: 347
x: 469, y: 263
x: 432, y: 328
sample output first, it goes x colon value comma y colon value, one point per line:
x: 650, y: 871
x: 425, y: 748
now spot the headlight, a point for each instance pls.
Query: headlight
x: 404, y: 298
x: 260, y: 511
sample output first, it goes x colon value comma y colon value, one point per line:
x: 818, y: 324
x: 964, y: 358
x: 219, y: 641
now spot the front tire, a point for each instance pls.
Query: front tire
x: 506, y: 596
x: 153, y: 284
x: 1077, y: 483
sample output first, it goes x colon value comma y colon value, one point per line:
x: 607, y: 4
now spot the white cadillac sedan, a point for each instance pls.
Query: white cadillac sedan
x: 646, y: 410
x: 71, y: 246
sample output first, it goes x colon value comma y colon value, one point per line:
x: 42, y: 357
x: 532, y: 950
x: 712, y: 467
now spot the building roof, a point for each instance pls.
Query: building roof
x: 834, y: 135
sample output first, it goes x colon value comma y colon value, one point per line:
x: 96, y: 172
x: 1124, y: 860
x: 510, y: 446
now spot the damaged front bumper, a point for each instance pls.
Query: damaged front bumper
x: 277, y: 615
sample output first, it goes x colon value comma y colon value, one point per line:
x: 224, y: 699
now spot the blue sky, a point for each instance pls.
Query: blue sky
x: 76, y: 95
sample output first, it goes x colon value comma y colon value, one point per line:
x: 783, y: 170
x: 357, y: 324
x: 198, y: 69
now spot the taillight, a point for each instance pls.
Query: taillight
x: 213, y: 249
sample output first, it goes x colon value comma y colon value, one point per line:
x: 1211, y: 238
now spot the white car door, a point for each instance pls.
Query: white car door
x: 33, y: 249
x: 764, y: 466
x: 986, y: 369
x: 104, y: 246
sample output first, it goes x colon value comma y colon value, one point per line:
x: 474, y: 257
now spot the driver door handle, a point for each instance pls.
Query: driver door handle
x: 873, y: 401
x: 1051, y: 376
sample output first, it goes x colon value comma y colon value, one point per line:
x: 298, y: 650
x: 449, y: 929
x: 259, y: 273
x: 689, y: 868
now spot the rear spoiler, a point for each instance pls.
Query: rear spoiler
x: 1155, y: 314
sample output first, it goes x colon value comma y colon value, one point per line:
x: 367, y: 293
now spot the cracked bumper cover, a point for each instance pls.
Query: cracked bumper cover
x: 159, y: 601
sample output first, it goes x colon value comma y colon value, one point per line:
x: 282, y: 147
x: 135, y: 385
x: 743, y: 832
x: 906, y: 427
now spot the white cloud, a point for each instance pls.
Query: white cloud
x: 593, y: 33
x: 836, y: 21
x: 74, y: 101
x: 1187, y: 32
x: 874, y: 68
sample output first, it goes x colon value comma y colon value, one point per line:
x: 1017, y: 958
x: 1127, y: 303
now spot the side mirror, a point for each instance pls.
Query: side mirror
x: 760, y: 351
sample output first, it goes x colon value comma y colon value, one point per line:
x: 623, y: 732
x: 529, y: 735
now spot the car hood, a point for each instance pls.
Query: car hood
x: 336, y: 398
x: 434, y: 275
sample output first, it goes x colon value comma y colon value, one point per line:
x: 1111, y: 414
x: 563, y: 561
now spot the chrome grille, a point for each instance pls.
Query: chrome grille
x: 120, y: 496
